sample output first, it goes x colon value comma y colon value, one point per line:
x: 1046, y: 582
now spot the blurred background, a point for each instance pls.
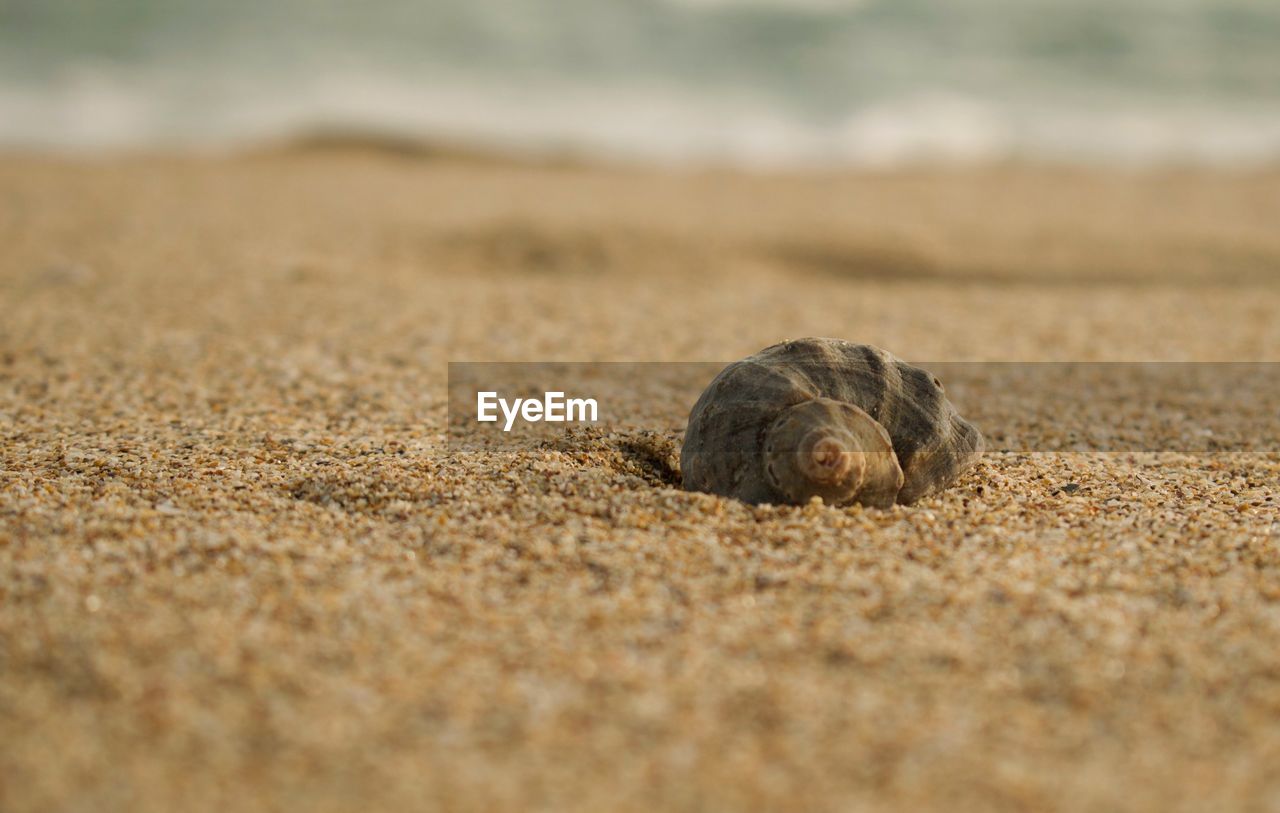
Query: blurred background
x: 740, y: 82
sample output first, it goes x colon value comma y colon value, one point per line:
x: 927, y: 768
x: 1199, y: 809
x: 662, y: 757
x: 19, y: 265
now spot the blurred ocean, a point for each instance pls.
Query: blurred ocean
x: 759, y: 82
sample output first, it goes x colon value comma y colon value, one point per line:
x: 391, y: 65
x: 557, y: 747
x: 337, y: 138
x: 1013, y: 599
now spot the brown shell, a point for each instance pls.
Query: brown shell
x: 824, y: 417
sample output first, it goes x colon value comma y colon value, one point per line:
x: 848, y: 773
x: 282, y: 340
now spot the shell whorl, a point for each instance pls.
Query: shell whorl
x: 828, y: 449
x: 823, y: 417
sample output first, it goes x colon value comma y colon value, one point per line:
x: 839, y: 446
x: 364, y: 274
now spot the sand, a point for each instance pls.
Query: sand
x: 240, y: 570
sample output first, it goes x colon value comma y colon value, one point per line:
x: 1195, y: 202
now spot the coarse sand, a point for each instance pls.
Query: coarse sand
x: 241, y: 570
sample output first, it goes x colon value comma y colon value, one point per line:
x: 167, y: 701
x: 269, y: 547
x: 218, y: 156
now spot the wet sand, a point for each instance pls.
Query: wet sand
x: 239, y: 569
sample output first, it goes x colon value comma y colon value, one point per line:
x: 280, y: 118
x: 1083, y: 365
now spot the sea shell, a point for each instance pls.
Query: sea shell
x: 846, y: 422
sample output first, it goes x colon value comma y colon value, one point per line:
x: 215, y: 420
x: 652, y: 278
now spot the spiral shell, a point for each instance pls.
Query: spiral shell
x: 825, y: 418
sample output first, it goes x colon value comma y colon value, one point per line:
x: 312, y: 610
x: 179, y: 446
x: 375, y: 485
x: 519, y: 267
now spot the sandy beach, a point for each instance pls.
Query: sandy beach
x: 240, y: 570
